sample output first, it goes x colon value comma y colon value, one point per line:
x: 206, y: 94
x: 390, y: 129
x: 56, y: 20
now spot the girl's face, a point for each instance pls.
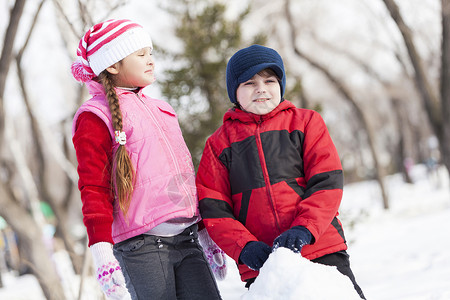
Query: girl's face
x: 135, y: 70
x: 260, y: 94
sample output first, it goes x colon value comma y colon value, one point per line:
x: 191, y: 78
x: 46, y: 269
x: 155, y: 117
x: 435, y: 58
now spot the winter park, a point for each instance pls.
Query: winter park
x: 376, y: 71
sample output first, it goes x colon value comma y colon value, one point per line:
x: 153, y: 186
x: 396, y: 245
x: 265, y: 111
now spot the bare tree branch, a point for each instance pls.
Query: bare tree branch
x: 430, y: 100
x: 113, y: 8
x: 346, y: 94
x: 63, y: 14
x: 6, y: 57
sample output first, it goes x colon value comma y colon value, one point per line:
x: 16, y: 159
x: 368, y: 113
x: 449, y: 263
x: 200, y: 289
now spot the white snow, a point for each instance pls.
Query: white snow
x: 288, y: 276
x: 401, y: 253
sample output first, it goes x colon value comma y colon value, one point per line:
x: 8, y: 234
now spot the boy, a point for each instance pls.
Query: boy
x: 270, y: 176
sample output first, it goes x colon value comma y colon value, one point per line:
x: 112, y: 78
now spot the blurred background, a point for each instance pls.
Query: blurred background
x: 377, y: 70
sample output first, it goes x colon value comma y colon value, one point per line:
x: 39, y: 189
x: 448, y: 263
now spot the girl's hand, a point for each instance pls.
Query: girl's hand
x: 108, y: 272
x: 216, y: 257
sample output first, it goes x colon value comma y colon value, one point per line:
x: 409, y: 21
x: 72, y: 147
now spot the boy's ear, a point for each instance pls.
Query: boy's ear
x: 113, y: 69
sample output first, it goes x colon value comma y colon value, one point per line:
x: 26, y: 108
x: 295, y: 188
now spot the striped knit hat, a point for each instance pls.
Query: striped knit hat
x: 106, y: 43
x: 247, y: 62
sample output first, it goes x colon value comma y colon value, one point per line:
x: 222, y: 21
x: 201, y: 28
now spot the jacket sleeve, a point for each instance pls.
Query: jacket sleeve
x: 323, y: 178
x: 93, y: 147
x: 216, y: 206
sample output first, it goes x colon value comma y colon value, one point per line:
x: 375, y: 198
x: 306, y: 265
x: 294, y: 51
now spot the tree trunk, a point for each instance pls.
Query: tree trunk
x: 438, y: 109
x: 400, y: 124
x: 347, y: 95
x: 429, y: 99
x: 17, y: 217
x: 445, y: 86
x: 42, y: 182
x: 5, y: 59
x: 31, y: 238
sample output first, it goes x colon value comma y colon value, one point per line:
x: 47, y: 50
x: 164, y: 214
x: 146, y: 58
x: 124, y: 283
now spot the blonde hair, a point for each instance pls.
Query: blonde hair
x: 123, y: 174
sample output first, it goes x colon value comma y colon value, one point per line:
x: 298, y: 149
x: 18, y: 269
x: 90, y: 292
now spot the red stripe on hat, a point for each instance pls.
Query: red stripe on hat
x: 109, y: 36
x: 100, y: 29
x: 81, y: 51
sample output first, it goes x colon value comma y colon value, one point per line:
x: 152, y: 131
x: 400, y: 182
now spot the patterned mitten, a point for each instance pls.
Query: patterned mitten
x: 216, y: 257
x: 109, y: 273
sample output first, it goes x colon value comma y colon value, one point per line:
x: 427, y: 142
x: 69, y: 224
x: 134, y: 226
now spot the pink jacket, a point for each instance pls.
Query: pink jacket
x: 165, y: 181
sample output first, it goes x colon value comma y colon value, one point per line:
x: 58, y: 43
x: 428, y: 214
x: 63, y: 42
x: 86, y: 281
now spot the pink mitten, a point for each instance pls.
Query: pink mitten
x: 216, y: 257
x: 108, y: 271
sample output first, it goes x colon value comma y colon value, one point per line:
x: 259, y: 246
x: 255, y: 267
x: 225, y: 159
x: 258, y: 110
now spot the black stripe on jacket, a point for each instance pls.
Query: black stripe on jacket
x: 282, y: 155
x: 214, y: 209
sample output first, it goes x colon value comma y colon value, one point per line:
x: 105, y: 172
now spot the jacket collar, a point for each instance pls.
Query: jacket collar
x: 96, y: 89
x: 246, y: 117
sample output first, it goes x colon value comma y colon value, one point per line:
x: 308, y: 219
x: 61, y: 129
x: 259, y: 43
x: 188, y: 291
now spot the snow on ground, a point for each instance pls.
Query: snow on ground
x: 401, y: 253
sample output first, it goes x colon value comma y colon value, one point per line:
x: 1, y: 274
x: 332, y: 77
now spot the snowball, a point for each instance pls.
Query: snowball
x: 287, y: 275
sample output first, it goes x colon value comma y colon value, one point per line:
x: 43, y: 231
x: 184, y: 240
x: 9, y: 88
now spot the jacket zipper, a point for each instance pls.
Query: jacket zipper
x: 262, y: 160
x: 169, y: 147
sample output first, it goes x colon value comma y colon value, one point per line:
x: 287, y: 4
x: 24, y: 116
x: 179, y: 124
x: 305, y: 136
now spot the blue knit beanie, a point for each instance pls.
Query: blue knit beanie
x: 245, y: 63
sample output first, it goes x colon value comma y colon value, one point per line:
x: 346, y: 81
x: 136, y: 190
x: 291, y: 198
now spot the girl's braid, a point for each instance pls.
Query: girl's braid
x: 113, y: 102
x: 123, y: 173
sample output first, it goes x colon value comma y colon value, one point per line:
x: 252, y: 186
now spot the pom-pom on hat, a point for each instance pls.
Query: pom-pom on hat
x: 106, y: 43
x: 245, y: 63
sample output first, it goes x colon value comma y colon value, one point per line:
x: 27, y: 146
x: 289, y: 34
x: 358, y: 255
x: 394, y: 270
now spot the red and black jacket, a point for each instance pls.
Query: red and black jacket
x: 261, y: 175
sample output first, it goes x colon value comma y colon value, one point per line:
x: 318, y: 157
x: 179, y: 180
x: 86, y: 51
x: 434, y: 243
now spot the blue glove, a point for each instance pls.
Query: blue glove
x: 294, y: 239
x: 255, y: 254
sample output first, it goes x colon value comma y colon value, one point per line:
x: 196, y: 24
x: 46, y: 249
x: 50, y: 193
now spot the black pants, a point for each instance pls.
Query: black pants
x: 342, y: 262
x: 166, y: 268
x: 338, y: 259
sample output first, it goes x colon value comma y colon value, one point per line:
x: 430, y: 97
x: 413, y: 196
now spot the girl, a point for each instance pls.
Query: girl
x: 136, y: 180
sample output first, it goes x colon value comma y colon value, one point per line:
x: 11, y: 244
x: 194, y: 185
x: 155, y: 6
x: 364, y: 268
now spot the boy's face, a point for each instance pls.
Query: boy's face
x: 259, y: 95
